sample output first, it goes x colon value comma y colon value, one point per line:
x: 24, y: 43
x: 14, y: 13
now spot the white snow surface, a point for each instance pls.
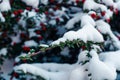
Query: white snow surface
x: 103, y: 27
x: 112, y: 58
x: 71, y: 22
x: 55, y: 67
x: 41, y: 72
x: 3, y: 51
x: 108, y: 3
x: 2, y: 19
x: 87, y: 33
x: 91, y: 5
x: 79, y: 73
x: 30, y: 43
x: 5, y: 5
x: 65, y: 51
x: 84, y: 18
x: 82, y: 56
x: 33, y: 3
x: 99, y: 70
x: 45, y: 2
x: 87, y: 19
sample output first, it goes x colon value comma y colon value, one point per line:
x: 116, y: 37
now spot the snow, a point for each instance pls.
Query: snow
x: 17, y: 59
x: 82, y: 56
x: 99, y: 70
x: 71, y: 22
x: 79, y: 73
x: 87, y: 19
x: 57, y: 42
x: 103, y: 27
x: 41, y: 72
x: 32, y: 32
x: 7, y: 68
x: 65, y: 51
x: 117, y: 5
x: 112, y: 58
x: 45, y: 2
x: 55, y: 67
x: 30, y: 43
x: 3, y: 51
x: 87, y: 33
x: 15, y: 38
x: 43, y: 45
x: 2, y: 19
x: 5, y: 5
x: 28, y: 14
x: 96, y: 48
x: 33, y: 3
x: 84, y: 18
x: 115, y: 41
x: 91, y: 5
x: 60, y: 13
x: 71, y: 35
x: 108, y: 3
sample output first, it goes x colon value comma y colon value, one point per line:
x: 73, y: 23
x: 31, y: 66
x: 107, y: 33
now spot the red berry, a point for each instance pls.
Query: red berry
x: 42, y: 24
x: 24, y: 60
x: 44, y: 28
x: 14, y: 43
x: 97, y: 17
x: 103, y: 13
x: 40, y: 38
x: 20, y: 11
x: 15, y: 64
x: 4, y: 34
x: 57, y: 19
x: 25, y: 48
x: 22, y: 35
x: 56, y: 8
x: 15, y: 74
x: 116, y: 11
x: 15, y: 13
x: 83, y: 1
x: 118, y: 37
x: 51, y: 1
x: 93, y: 16
x: 37, y: 32
x: 111, y: 8
x: 46, y: 12
x: 36, y: 10
x: 99, y: 30
x: 17, y: 19
x: 83, y: 47
x: 77, y: 1
x: 108, y: 20
x: 28, y: 8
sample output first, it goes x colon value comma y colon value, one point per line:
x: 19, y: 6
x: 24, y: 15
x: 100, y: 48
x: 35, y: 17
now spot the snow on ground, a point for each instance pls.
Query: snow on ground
x: 7, y: 68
